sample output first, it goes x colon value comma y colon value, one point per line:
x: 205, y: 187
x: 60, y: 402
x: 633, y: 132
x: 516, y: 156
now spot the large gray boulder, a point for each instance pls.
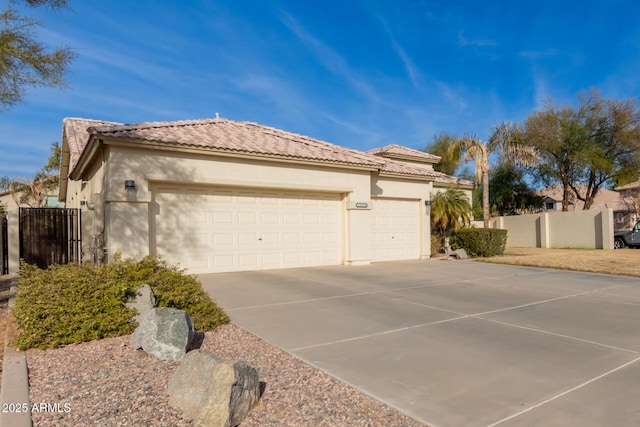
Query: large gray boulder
x: 143, y: 301
x: 164, y: 333
x: 213, y: 392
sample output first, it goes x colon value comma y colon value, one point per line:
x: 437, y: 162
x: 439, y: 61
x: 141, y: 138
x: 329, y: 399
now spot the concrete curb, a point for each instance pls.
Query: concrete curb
x: 15, y: 408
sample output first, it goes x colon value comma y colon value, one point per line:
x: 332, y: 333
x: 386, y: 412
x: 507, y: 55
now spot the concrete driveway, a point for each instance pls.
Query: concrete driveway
x: 457, y: 343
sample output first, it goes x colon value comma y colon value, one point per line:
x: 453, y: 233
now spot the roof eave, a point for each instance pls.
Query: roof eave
x: 387, y: 174
x: 86, y: 157
x: 64, y: 168
x: 184, y: 148
x: 456, y: 184
x: 409, y: 157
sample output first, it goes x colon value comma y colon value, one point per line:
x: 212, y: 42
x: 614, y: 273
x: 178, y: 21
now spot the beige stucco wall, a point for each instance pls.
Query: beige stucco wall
x: 437, y: 187
x: 13, y: 238
x: 8, y: 201
x: 87, y: 195
x: 524, y: 231
x: 13, y: 235
x: 581, y: 229
x: 573, y: 229
x: 128, y: 214
x: 116, y: 220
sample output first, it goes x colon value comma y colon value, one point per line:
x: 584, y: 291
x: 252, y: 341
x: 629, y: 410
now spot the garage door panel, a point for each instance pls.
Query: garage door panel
x: 292, y: 258
x: 272, y: 238
x: 395, y: 229
x: 247, y: 239
x: 248, y: 260
x: 311, y: 218
x: 196, y: 262
x: 291, y: 238
x: 330, y: 219
x: 270, y: 218
x: 330, y: 237
x: 222, y: 217
x: 221, y: 239
x: 247, y: 217
x: 222, y: 262
x: 270, y: 260
x: 215, y: 230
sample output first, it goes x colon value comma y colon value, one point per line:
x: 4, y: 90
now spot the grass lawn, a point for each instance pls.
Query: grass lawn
x: 624, y: 262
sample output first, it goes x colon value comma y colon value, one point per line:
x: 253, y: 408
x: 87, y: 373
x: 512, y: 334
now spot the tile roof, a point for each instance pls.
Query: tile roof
x: 397, y: 167
x: 393, y: 150
x: 231, y: 136
x: 76, y: 131
x: 604, y: 198
x: 442, y: 178
x: 239, y: 137
x: 629, y: 186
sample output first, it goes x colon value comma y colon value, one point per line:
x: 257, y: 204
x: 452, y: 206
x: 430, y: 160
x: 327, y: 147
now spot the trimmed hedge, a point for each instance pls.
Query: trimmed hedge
x: 480, y: 242
x: 72, y: 303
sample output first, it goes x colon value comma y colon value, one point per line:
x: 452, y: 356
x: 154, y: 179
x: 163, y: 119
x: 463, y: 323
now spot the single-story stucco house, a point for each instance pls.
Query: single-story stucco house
x: 218, y: 195
x: 624, y: 209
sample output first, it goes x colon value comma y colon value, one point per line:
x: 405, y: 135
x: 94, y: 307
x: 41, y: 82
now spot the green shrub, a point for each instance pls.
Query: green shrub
x: 483, y: 242
x: 73, y: 303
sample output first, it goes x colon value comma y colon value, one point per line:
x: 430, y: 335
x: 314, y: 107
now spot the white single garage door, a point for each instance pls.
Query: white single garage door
x: 208, y: 230
x: 395, y: 229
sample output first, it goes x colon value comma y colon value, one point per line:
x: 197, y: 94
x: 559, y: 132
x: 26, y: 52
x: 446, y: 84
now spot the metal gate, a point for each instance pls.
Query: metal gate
x: 50, y: 236
x: 4, y: 246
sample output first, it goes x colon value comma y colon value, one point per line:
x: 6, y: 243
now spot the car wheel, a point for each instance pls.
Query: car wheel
x: 618, y: 243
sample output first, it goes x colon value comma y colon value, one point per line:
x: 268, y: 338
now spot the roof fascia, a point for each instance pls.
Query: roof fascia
x: 455, y: 184
x: 409, y: 157
x: 384, y: 174
x: 64, y: 169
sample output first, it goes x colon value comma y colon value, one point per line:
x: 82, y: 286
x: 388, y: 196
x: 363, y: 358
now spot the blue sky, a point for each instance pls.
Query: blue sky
x: 359, y: 73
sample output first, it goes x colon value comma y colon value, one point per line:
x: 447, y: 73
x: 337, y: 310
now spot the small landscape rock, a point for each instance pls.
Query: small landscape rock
x: 459, y: 254
x: 143, y: 301
x: 164, y: 333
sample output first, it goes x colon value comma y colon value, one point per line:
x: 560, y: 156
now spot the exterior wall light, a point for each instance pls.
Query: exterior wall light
x: 130, y: 185
x: 427, y: 203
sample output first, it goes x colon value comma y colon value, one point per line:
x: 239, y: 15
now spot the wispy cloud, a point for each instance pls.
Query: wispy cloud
x: 464, y: 41
x: 541, y: 93
x: 453, y: 96
x: 366, y: 132
x: 409, y: 66
x: 122, y: 62
x: 329, y: 58
x: 276, y: 94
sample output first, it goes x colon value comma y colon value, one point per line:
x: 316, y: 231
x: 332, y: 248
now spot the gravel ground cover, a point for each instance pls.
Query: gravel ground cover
x: 106, y: 383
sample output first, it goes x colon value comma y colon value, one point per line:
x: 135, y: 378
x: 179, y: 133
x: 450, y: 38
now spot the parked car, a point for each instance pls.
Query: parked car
x: 629, y: 238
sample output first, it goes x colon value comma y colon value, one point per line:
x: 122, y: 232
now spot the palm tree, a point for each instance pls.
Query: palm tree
x: 34, y: 192
x: 505, y: 139
x: 450, y: 210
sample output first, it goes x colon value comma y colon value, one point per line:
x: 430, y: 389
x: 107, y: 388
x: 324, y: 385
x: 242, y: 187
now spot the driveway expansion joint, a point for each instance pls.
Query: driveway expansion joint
x: 564, y: 393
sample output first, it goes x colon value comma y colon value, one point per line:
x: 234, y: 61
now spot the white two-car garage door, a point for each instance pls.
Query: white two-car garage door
x: 395, y: 229
x: 209, y: 230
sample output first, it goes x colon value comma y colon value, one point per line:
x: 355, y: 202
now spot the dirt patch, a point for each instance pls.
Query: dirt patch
x: 625, y: 262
